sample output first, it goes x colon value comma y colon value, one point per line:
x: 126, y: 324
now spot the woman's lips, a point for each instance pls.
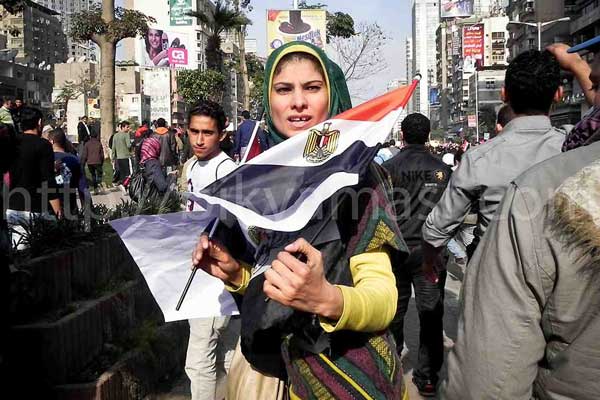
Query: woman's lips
x: 302, y: 122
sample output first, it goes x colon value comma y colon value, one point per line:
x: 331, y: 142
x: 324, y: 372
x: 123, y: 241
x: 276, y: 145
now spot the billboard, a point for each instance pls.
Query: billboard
x: 178, y: 10
x: 434, y: 96
x: 472, y: 121
x: 157, y: 85
x: 161, y: 48
x: 473, y: 47
x: 285, y: 26
x: 456, y: 8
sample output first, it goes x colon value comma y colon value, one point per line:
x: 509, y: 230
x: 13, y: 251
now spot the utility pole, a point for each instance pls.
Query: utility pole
x: 477, y: 104
x: 295, y: 4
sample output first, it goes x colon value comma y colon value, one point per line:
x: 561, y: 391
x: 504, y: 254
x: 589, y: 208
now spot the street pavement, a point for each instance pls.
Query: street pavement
x: 110, y: 197
x: 181, y: 388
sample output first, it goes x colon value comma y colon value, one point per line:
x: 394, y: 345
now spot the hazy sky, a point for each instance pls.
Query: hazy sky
x: 392, y: 15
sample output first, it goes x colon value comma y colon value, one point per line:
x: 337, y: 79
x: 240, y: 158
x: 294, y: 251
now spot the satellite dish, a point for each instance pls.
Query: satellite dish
x: 70, y: 60
x: 42, y: 64
x: 48, y: 67
x: 81, y: 59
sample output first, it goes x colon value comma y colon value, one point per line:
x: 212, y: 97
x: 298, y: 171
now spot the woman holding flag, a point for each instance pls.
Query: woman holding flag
x: 316, y: 320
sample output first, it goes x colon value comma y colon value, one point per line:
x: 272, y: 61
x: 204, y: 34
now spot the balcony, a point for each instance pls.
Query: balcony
x: 585, y: 20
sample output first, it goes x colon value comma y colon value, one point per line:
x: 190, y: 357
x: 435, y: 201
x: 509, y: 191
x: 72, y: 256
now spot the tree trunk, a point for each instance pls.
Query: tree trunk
x: 107, y: 90
x: 244, y: 67
x: 107, y: 76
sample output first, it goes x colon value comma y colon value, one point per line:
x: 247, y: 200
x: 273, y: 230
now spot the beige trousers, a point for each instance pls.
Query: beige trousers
x: 245, y: 383
x: 210, y: 350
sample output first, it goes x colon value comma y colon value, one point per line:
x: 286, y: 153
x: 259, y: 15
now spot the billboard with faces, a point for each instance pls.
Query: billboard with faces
x: 162, y: 48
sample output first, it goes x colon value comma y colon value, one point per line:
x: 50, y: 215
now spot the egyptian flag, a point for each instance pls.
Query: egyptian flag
x: 254, y: 145
x: 282, y: 188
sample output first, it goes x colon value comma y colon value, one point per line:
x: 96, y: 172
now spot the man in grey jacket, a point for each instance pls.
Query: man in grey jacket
x: 532, y: 84
x: 529, y: 319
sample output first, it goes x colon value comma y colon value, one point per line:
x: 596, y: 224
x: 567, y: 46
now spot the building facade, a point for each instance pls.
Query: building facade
x: 133, y: 107
x: 31, y: 84
x: 426, y: 18
x: 524, y: 37
x: 36, y: 34
x: 480, y: 38
x: 410, y: 73
x: 65, y: 10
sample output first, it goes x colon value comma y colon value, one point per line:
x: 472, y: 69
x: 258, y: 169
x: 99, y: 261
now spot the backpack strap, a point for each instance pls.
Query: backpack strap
x: 217, y: 169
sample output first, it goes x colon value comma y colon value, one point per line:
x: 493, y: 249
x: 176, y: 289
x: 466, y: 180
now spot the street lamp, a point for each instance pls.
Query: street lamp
x: 539, y: 25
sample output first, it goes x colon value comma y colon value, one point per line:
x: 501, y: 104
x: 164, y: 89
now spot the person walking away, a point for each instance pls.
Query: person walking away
x: 532, y: 84
x: 33, y: 192
x: 6, y: 111
x: 141, y: 133
x: 419, y: 179
x: 383, y: 154
x: 212, y: 340
x: 168, y: 145
x: 528, y: 318
x: 93, y: 156
x: 83, y: 132
x: 393, y: 149
x: 68, y: 174
x: 16, y: 114
x: 152, y: 170
x: 243, y: 136
x: 121, y: 151
x: 505, y: 115
x: 539, y: 258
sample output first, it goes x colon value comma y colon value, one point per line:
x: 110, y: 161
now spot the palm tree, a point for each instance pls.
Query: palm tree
x: 220, y: 19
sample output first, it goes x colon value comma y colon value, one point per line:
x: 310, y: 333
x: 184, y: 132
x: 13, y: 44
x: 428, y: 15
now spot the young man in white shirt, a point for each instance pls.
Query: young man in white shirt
x: 212, y: 340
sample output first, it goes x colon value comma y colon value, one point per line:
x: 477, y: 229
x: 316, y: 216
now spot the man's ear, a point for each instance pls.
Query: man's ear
x: 503, y: 95
x: 559, y: 94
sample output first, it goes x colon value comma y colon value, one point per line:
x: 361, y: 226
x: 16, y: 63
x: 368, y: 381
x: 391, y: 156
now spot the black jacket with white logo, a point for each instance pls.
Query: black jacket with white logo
x: 419, y: 180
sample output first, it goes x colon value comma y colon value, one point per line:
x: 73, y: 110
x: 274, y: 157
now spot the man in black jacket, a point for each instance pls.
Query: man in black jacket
x: 419, y: 180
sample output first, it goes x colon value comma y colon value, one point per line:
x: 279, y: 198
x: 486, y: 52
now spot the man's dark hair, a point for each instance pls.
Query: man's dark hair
x: 246, y: 114
x: 58, y: 135
x: 392, y: 142
x: 30, y: 118
x: 146, y: 122
x: 532, y: 79
x: 209, y: 109
x: 124, y: 123
x: 94, y: 134
x: 416, y: 128
x: 505, y: 115
x: 161, y: 123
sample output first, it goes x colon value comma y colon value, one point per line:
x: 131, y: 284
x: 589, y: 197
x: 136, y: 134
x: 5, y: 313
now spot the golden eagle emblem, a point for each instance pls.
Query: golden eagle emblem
x: 321, y: 144
x: 440, y: 176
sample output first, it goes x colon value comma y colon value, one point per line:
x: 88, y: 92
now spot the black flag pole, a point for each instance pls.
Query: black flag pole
x: 193, y: 273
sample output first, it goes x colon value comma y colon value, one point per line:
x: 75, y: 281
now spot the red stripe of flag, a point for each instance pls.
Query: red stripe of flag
x: 376, y: 109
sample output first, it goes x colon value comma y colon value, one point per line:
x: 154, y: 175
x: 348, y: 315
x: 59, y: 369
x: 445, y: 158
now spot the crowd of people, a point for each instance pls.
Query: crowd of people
x: 519, y: 212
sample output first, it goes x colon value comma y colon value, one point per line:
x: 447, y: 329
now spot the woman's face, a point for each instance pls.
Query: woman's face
x: 154, y: 38
x: 299, y: 97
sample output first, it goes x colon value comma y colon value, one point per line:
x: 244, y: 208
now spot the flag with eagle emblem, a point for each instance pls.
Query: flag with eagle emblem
x: 282, y: 188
